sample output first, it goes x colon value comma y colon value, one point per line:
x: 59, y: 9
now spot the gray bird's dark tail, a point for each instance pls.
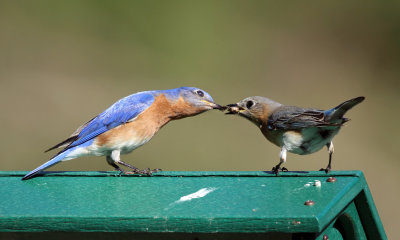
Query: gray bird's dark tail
x: 338, y: 112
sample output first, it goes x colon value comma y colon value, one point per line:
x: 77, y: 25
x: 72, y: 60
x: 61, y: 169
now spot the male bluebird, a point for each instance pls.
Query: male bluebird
x: 294, y: 129
x: 128, y: 124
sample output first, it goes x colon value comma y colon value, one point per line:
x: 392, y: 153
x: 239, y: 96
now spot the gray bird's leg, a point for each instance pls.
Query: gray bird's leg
x: 282, y: 159
x: 330, y: 150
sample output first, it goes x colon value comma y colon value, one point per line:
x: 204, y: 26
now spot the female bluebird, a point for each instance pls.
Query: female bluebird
x: 128, y: 124
x: 294, y: 129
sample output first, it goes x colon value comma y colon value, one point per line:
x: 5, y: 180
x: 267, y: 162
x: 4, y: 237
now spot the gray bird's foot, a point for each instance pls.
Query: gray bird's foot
x: 278, y: 169
x: 326, y: 170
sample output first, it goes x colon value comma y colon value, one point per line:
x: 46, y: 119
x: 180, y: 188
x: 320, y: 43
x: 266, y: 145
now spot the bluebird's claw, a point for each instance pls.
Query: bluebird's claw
x: 150, y: 172
x: 146, y: 171
x: 134, y: 172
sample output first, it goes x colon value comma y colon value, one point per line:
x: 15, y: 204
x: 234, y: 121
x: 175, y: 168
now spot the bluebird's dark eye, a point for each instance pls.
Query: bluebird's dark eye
x: 249, y: 104
x: 200, y: 93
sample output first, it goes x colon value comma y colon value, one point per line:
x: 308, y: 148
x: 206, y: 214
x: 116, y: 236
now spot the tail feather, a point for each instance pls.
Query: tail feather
x: 56, y: 159
x: 339, y: 111
x: 64, y: 143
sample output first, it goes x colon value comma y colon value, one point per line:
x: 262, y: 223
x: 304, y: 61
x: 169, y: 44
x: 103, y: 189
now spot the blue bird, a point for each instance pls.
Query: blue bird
x: 294, y: 129
x: 128, y: 124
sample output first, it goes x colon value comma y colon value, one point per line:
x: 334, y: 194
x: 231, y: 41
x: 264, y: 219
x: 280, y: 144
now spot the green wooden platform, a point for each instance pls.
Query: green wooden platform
x: 207, y: 204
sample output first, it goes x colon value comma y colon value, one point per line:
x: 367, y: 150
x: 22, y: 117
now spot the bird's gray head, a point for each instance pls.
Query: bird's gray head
x: 256, y: 109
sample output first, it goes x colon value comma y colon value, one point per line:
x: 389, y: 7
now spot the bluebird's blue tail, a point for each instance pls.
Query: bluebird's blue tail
x: 56, y: 159
x: 338, y: 112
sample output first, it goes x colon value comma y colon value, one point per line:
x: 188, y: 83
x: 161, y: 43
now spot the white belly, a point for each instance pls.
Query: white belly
x: 124, y: 146
x: 308, y: 140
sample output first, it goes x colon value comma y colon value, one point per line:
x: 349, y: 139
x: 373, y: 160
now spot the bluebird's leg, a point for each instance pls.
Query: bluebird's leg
x: 282, y: 159
x: 115, y: 158
x: 112, y: 159
x: 330, y: 150
x: 111, y: 162
x: 146, y: 171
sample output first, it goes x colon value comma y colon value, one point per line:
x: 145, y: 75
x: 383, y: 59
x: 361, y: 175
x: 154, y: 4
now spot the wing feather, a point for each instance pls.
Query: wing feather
x: 294, y: 118
x: 119, y: 113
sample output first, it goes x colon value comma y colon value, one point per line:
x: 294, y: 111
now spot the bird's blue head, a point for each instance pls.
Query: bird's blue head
x: 198, y: 98
x: 190, y: 101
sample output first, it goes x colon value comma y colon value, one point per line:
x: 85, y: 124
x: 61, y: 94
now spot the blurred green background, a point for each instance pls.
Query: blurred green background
x: 63, y: 62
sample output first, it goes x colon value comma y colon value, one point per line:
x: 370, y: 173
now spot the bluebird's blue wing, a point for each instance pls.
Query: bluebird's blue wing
x: 119, y: 113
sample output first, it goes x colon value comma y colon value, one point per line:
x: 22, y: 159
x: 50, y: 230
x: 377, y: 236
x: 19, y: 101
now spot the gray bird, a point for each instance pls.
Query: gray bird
x: 294, y: 129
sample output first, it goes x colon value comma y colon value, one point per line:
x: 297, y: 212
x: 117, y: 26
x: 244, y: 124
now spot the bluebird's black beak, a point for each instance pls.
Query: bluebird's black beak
x: 213, y: 105
x: 219, y: 107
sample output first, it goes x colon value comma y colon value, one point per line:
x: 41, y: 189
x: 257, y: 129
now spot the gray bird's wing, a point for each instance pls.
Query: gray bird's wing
x: 294, y: 118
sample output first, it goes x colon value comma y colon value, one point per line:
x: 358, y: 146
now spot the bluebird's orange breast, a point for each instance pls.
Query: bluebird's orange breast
x: 138, y: 131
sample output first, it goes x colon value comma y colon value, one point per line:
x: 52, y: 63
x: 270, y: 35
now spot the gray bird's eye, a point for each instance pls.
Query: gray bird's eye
x: 249, y: 104
x: 200, y: 93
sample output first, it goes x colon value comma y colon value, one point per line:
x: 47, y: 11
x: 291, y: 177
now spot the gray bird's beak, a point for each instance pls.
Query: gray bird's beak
x: 233, y: 108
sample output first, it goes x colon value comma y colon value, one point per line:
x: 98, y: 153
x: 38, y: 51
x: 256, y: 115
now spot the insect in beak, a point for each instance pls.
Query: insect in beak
x: 233, y: 108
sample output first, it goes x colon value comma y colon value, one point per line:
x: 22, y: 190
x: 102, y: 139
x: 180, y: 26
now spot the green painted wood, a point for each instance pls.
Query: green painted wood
x: 246, y: 202
x: 146, y: 236
x: 350, y: 224
x: 332, y: 234
x: 369, y: 214
x: 347, y: 225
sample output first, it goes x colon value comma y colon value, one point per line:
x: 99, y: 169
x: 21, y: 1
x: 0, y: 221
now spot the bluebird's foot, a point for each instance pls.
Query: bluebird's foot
x: 278, y: 169
x: 150, y: 172
x: 120, y: 171
x: 134, y: 172
x: 146, y: 171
